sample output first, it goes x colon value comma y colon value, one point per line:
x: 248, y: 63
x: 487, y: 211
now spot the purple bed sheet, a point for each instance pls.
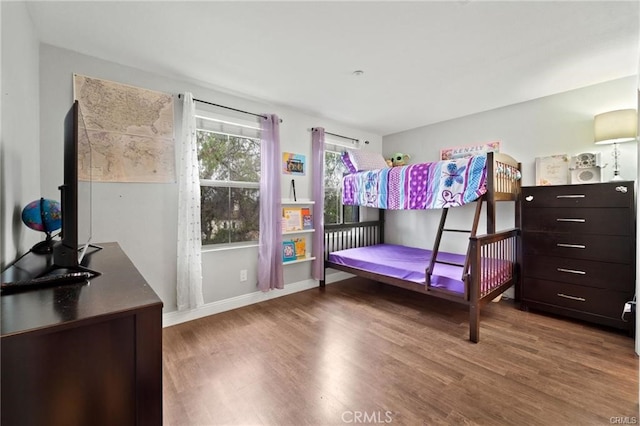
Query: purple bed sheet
x: 406, y: 263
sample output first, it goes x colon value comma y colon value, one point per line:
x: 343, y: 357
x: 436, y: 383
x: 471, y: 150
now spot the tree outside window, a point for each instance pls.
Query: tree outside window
x: 229, y: 180
x: 334, y: 211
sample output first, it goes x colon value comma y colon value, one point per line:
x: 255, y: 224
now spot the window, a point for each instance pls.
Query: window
x: 229, y: 161
x: 334, y: 211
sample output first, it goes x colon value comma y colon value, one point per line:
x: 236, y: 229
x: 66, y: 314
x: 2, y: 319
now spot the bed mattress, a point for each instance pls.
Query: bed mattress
x: 405, y: 263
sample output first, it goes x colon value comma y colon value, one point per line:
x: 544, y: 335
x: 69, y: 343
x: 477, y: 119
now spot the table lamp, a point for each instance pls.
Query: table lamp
x: 615, y: 127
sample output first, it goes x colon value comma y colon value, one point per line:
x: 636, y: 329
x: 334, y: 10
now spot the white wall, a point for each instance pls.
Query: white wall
x: 20, y: 132
x: 558, y: 124
x: 143, y: 217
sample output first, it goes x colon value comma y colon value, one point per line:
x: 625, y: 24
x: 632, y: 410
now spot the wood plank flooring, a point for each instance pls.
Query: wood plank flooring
x: 360, y: 352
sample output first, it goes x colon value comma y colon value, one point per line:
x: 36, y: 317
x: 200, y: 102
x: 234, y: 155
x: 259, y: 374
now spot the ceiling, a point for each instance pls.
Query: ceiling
x: 423, y: 61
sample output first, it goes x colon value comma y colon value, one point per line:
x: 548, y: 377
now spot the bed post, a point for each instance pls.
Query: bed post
x: 491, y: 193
x: 324, y: 259
x: 517, y: 288
x: 381, y: 229
x: 474, y: 293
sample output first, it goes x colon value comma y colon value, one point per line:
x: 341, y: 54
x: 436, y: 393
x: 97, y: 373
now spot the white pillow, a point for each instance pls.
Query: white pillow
x: 366, y: 160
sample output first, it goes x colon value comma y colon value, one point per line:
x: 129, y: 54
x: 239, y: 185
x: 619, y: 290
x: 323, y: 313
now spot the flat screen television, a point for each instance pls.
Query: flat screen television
x: 67, y: 252
x: 75, y: 197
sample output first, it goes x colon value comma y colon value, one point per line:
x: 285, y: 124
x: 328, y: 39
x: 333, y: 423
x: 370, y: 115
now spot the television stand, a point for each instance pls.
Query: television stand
x: 33, y: 264
x: 83, y: 354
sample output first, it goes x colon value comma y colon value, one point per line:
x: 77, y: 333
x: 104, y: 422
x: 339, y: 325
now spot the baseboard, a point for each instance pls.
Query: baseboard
x: 177, y: 317
x: 337, y: 276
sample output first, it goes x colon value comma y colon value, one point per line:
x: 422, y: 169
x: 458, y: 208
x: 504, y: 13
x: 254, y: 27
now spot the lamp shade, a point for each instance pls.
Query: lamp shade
x: 615, y: 126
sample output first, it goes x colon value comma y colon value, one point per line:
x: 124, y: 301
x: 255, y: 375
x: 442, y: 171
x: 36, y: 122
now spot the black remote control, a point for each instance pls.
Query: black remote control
x: 45, y: 281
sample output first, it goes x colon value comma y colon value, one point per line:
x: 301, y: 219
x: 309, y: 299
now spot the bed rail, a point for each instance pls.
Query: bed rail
x: 505, y: 170
x: 494, y: 268
x: 350, y: 235
x: 503, y: 184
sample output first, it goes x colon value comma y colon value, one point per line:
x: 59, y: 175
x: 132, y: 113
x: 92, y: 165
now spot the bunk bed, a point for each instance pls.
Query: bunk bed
x: 490, y: 265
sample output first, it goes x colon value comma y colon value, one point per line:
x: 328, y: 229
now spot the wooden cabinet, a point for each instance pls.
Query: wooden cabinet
x: 578, y: 250
x: 84, y: 353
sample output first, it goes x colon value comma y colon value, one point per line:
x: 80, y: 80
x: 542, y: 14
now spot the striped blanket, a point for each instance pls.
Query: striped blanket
x: 422, y: 186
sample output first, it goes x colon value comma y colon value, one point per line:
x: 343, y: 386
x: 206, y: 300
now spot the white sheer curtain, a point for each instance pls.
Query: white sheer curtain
x: 189, y: 277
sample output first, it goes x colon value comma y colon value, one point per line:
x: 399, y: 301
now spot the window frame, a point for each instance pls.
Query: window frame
x: 355, y: 216
x: 228, y: 184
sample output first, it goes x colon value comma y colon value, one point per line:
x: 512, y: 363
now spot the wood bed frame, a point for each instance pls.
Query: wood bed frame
x: 481, y: 283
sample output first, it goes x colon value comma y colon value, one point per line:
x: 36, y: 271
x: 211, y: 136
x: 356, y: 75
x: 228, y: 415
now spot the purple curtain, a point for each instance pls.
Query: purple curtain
x: 270, y: 239
x: 317, y: 178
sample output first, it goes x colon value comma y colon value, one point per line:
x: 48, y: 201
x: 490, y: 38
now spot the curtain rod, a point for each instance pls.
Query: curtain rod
x: 226, y: 107
x: 340, y: 136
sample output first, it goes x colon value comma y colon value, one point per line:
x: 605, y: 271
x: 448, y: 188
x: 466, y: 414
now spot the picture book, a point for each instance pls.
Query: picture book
x: 288, y: 251
x: 300, y: 246
x: 307, y: 219
x: 291, y: 219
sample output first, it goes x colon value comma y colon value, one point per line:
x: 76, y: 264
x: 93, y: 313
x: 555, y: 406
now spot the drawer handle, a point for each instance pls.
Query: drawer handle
x: 571, y: 271
x: 529, y: 198
x: 622, y: 189
x: 571, y: 196
x: 579, y: 246
x: 571, y: 220
x: 566, y: 296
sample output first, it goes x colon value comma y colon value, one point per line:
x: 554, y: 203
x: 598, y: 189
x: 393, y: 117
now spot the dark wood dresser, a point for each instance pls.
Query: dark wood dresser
x: 578, y: 251
x: 86, y: 353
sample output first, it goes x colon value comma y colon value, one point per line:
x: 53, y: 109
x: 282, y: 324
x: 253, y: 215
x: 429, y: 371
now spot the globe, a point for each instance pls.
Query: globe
x: 43, y: 215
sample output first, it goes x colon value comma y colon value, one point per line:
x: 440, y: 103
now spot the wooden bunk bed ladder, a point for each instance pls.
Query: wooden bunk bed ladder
x: 436, y: 246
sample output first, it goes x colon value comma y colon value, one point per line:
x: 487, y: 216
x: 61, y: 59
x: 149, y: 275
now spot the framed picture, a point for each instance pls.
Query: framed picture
x: 469, y: 150
x: 552, y: 170
x: 293, y: 164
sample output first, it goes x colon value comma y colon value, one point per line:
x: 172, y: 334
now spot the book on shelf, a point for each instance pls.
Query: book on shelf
x: 307, y: 218
x: 301, y: 248
x: 291, y: 219
x: 294, y: 249
x: 288, y: 251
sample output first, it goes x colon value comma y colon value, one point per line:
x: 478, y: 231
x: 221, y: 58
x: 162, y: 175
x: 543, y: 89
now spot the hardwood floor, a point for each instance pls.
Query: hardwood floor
x: 359, y: 352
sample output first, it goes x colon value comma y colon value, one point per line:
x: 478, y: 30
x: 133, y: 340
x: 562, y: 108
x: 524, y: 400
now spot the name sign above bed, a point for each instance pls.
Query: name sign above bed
x: 469, y: 150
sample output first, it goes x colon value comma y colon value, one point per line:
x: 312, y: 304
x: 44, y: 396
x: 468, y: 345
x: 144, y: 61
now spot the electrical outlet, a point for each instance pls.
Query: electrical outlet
x: 243, y: 274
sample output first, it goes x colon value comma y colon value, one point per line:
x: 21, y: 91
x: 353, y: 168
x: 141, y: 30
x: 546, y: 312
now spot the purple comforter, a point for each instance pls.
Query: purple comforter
x: 418, y: 186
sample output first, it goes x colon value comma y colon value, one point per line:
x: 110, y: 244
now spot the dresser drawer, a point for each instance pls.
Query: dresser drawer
x: 611, y: 194
x: 608, y: 221
x: 587, y: 299
x: 606, y: 248
x: 605, y: 275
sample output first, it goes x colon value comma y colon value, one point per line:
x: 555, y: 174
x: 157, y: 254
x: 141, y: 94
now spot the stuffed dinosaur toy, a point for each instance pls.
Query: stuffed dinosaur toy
x: 400, y: 159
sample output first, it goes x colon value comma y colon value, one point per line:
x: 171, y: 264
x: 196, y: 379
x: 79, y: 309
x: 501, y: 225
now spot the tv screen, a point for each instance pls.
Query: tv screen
x: 85, y: 189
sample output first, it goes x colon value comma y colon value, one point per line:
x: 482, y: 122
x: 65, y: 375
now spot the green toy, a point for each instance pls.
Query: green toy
x: 400, y: 159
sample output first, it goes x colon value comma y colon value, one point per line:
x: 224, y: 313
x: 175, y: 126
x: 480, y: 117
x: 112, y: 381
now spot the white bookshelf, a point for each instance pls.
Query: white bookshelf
x: 307, y: 258
x: 301, y: 232
x: 287, y: 202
